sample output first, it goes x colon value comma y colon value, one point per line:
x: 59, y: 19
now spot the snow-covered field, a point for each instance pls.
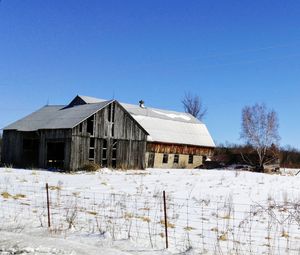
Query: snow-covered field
x: 117, y: 212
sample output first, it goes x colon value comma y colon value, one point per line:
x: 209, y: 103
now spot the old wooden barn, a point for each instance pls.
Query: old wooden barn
x: 108, y: 133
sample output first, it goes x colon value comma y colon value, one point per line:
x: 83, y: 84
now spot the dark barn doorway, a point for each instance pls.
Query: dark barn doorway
x: 55, y: 154
x: 30, y: 152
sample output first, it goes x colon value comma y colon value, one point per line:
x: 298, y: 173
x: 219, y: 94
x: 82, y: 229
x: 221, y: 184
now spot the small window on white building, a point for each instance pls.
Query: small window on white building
x: 176, y: 159
x: 191, y: 159
x: 165, y: 159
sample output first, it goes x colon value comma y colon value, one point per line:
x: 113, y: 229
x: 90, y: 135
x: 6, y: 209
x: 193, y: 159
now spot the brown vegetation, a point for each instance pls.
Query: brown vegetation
x: 231, y: 154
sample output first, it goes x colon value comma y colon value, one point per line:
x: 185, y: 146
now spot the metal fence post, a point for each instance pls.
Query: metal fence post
x: 166, y: 220
x: 48, y: 205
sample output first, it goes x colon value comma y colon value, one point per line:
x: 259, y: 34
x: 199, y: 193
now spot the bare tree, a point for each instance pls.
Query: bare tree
x: 260, y: 131
x: 193, y: 105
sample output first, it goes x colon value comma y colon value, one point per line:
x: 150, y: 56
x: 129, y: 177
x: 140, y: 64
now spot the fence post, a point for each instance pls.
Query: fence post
x: 166, y: 220
x: 48, y: 205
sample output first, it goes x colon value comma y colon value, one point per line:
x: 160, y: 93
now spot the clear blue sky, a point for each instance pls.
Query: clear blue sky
x: 230, y: 53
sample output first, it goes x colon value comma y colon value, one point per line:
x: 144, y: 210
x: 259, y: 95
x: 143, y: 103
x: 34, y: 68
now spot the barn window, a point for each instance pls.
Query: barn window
x: 92, y: 149
x: 113, y: 112
x: 104, y: 153
x: 111, y: 118
x: 191, y: 159
x: 90, y: 125
x: 92, y: 142
x: 114, y: 154
x: 112, y: 130
x: 80, y: 128
x: 176, y: 159
x: 165, y: 158
x: 109, y: 113
x: 91, y: 154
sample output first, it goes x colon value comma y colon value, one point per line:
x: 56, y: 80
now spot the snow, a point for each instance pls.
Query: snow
x: 173, y: 116
x: 202, y: 204
x: 38, y: 244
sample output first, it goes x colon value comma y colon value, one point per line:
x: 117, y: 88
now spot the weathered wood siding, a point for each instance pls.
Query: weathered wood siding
x: 178, y: 149
x: 13, y: 150
x: 129, y: 136
x: 11, y: 147
x: 131, y: 154
x: 54, y: 135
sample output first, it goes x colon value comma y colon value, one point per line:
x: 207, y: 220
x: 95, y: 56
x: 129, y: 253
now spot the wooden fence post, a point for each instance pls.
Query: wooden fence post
x: 48, y: 205
x: 166, y: 220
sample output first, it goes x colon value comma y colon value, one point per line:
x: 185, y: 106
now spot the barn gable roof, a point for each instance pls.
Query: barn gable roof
x: 56, y: 117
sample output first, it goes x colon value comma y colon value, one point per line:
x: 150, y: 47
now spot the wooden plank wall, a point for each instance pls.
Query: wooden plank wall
x: 11, y: 147
x: 54, y: 135
x: 131, y: 140
x: 178, y: 149
x: 131, y: 154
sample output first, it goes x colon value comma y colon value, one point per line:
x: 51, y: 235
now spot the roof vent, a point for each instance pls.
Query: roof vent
x: 141, y: 102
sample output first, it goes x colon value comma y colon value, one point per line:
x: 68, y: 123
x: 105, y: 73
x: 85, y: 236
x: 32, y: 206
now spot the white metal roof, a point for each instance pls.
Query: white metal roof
x: 170, y: 126
x: 177, y: 132
x: 160, y: 114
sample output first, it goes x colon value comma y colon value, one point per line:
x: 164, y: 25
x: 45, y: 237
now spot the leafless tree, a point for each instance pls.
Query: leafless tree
x: 193, y: 105
x: 260, y: 131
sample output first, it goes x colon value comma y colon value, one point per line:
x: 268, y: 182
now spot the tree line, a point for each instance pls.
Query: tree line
x: 259, y: 131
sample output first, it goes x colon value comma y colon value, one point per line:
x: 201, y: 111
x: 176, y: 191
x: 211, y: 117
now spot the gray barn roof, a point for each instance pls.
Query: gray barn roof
x: 56, y: 117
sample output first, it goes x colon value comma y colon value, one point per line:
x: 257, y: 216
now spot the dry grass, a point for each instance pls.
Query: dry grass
x: 92, y: 212
x: 91, y: 167
x: 54, y: 187
x: 144, y: 218
x: 223, y: 237
x: 169, y: 224
x: 188, y: 228
x: 18, y: 196
x: 6, y: 195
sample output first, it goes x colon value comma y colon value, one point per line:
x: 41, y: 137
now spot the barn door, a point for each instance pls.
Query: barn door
x: 55, y: 154
x: 151, y: 160
x: 30, y: 152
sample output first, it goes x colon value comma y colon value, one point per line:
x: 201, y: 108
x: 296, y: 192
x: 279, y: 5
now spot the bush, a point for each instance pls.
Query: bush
x: 290, y: 157
x: 231, y: 154
x: 91, y: 167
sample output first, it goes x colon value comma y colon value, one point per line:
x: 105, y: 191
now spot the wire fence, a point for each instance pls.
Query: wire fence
x: 182, y: 224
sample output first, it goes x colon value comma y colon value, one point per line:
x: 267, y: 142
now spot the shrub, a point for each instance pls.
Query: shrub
x: 90, y: 167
